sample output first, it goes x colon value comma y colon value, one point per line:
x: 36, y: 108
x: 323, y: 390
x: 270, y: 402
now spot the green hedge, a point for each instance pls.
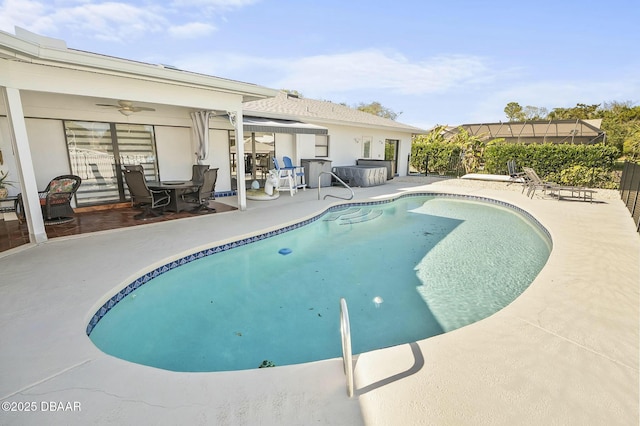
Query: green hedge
x: 439, y: 153
x: 549, y: 158
x: 584, y: 165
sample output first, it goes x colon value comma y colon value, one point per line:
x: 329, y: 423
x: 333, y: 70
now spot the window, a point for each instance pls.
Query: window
x: 97, y: 152
x: 367, y: 141
x: 322, y: 146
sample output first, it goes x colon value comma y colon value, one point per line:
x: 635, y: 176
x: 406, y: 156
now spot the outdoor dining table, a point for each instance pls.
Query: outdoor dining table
x: 175, y: 188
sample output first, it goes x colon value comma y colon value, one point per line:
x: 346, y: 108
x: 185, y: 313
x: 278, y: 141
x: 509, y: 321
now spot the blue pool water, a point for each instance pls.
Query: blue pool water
x: 409, y: 269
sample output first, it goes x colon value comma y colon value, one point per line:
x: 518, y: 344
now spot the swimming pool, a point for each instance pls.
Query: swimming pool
x: 410, y: 269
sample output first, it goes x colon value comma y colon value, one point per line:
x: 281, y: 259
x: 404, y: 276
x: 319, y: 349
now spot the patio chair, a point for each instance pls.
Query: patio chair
x: 285, y: 178
x: 141, y: 196
x: 297, y: 172
x: 55, y: 200
x: 514, y: 175
x: 205, y: 193
x: 138, y: 167
x: 533, y: 182
x: 197, y: 174
x: 197, y: 177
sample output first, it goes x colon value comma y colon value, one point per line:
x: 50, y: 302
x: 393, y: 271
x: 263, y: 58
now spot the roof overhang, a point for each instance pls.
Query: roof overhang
x: 34, y: 49
x: 273, y: 125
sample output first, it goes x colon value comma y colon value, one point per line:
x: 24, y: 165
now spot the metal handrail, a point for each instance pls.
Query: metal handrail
x: 339, y: 180
x: 347, y: 357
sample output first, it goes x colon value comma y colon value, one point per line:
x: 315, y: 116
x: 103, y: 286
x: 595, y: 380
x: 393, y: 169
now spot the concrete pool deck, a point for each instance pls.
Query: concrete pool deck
x: 565, y: 352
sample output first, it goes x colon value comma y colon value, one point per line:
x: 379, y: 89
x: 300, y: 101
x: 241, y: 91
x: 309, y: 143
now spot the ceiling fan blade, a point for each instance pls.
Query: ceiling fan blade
x: 108, y: 105
x: 138, y: 109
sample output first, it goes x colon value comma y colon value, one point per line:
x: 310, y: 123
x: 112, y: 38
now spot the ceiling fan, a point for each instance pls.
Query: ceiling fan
x: 127, y: 108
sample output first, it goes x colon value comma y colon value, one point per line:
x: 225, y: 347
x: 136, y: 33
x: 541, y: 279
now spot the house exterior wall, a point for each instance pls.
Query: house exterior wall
x: 345, y: 145
x: 175, y: 142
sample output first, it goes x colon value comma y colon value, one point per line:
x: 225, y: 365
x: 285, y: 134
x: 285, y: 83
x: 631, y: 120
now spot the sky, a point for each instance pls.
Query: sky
x: 445, y: 62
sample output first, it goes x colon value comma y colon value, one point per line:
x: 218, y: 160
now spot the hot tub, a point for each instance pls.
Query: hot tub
x: 361, y: 175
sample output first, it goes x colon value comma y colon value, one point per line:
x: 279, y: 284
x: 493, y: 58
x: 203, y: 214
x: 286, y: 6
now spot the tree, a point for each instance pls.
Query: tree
x: 514, y: 112
x: 376, y: 108
x: 535, y: 113
x: 579, y: 112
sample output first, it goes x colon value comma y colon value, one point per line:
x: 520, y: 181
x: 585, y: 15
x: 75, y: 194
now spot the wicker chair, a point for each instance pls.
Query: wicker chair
x: 55, y: 200
x: 205, y: 193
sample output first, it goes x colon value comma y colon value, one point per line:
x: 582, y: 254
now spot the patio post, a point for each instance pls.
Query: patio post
x: 237, y: 121
x: 24, y: 160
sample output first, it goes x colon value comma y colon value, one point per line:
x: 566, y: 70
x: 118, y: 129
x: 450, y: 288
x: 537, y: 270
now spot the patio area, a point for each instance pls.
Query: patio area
x: 565, y: 352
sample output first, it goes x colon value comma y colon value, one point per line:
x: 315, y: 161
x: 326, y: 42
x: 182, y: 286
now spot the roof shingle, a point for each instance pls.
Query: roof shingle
x: 293, y: 107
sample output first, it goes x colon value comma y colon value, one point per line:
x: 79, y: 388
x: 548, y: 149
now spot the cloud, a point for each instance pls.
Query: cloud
x: 24, y: 13
x: 210, y: 7
x: 191, y: 30
x: 368, y: 69
x: 112, y: 20
x: 219, y: 4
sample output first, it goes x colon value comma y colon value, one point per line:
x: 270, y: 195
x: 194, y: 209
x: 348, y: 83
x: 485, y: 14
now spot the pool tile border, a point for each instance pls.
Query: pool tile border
x: 140, y: 281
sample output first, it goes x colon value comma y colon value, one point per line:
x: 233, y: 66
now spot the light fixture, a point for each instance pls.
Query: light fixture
x: 126, y: 112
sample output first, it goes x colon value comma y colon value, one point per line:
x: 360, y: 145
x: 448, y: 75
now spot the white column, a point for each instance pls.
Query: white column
x: 28, y: 185
x: 237, y: 119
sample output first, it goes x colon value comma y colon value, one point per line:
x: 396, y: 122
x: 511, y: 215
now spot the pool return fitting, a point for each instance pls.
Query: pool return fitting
x: 347, y: 357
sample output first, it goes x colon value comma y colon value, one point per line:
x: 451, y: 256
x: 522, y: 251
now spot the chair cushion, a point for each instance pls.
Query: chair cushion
x: 61, y: 185
x: 53, y: 200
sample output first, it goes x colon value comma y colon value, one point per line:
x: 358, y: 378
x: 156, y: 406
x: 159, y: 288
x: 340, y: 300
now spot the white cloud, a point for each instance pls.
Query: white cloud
x: 349, y: 72
x: 191, y: 30
x: 111, y: 20
x: 378, y: 70
x: 24, y: 13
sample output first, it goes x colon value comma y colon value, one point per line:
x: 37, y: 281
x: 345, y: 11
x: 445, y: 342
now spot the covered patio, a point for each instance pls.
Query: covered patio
x: 65, y: 111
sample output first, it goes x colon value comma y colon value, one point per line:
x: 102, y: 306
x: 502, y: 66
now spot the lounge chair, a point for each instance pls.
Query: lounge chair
x: 149, y: 200
x: 205, y: 193
x: 533, y: 182
x: 514, y: 175
x: 555, y: 190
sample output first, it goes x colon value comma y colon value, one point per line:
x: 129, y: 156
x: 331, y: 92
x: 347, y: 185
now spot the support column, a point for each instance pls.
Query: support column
x: 236, y: 120
x: 28, y: 185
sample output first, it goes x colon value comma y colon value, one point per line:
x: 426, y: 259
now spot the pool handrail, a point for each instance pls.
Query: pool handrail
x: 347, y: 356
x: 339, y: 180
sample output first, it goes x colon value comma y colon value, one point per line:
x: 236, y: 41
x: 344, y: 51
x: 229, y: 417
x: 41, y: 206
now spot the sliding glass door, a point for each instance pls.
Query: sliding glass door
x: 97, y: 152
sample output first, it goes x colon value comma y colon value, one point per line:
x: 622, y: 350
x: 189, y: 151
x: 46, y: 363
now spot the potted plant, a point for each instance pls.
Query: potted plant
x: 3, y: 184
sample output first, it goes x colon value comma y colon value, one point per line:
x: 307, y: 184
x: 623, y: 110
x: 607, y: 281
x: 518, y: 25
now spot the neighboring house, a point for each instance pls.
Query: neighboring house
x: 550, y: 131
x: 339, y: 133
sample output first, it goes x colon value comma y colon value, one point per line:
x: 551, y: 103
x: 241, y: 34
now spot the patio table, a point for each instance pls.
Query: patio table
x: 176, y: 189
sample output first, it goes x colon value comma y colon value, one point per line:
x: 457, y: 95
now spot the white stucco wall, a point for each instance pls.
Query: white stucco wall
x: 345, y: 145
x: 48, y: 149
x: 175, y: 152
x: 9, y: 161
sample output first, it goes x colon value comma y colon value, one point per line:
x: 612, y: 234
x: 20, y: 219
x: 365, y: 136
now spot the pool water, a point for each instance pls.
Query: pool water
x: 409, y: 269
